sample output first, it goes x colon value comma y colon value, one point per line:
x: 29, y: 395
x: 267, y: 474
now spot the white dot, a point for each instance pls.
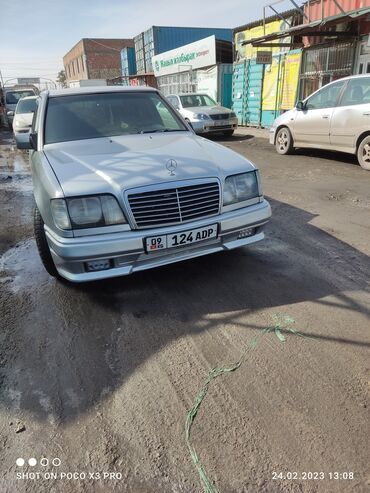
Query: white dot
x: 20, y: 462
x: 32, y: 462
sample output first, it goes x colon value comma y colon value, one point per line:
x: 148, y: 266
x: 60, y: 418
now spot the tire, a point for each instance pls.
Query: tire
x: 363, y: 153
x: 284, y: 141
x: 228, y: 133
x: 42, y: 244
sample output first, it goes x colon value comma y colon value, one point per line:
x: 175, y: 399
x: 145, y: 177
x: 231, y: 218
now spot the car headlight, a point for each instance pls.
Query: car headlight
x: 93, y: 211
x: 240, y: 187
x: 200, y: 116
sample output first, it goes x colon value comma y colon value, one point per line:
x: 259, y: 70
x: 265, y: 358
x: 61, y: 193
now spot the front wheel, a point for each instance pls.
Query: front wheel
x: 42, y: 244
x: 228, y: 133
x: 363, y: 153
x: 284, y: 141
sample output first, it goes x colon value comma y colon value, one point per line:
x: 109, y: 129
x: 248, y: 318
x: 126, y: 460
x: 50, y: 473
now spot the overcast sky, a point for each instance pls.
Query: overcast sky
x: 35, y: 35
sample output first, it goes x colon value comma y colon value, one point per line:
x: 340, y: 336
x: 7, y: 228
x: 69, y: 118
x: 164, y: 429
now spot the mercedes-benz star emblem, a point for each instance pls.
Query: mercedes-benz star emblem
x: 171, y: 165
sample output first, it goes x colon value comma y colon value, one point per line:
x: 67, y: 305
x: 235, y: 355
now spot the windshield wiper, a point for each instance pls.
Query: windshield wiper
x: 161, y: 130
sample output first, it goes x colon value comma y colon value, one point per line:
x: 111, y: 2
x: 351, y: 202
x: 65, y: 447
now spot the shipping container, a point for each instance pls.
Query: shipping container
x: 238, y: 90
x: 225, y: 81
x: 159, y: 39
x: 322, y: 9
x: 168, y: 38
x: 317, y: 9
x: 128, y: 61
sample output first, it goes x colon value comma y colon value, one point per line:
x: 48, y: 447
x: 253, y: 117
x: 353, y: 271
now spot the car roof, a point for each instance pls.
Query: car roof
x: 28, y: 97
x: 97, y: 89
x: 358, y: 76
x: 189, y: 94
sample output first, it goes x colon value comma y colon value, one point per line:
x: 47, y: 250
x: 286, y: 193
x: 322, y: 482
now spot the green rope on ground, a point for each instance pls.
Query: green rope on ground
x: 281, y: 323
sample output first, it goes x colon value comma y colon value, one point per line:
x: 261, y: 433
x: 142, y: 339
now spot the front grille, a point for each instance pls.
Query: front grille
x: 219, y: 127
x: 220, y: 116
x: 174, y: 205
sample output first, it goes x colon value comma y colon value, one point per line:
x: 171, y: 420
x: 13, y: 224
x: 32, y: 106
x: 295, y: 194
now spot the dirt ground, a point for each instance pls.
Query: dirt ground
x: 99, y: 378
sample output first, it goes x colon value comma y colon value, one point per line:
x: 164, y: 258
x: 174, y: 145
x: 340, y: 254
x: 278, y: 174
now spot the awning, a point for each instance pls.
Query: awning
x: 314, y: 28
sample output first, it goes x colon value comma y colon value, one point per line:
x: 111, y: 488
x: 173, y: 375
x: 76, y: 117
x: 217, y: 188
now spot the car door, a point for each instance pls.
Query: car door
x: 311, y: 126
x: 352, y: 115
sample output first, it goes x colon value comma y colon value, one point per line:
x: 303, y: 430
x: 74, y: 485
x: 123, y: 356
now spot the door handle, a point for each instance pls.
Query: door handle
x: 325, y: 116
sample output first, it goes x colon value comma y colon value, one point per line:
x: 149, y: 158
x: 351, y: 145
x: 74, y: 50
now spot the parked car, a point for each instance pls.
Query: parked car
x: 11, y: 97
x: 336, y: 117
x: 122, y: 184
x: 23, y: 116
x: 204, y: 114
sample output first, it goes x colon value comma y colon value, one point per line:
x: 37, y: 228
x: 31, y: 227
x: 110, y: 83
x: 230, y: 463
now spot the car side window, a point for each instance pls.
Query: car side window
x: 325, y: 98
x: 357, y: 92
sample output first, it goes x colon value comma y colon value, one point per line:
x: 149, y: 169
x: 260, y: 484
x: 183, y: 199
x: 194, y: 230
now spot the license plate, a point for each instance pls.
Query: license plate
x: 155, y: 243
x: 222, y: 123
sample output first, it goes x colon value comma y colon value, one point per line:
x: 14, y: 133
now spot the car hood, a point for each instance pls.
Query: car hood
x: 110, y: 165
x: 209, y: 110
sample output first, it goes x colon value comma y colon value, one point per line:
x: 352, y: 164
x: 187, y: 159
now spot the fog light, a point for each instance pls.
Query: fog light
x: 244, y: 233
x: 102, y: 264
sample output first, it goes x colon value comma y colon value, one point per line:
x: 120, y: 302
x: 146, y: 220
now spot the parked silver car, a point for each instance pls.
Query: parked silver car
x: 123, y: 184
x: 23, y: 116
x: 336, y: 117
x: 204, y: 114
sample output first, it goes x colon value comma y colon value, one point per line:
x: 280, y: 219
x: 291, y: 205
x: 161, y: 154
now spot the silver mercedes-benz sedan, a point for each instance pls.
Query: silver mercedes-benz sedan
x: 336, y: 117
x: 204, y: 114
x: 122, y: 184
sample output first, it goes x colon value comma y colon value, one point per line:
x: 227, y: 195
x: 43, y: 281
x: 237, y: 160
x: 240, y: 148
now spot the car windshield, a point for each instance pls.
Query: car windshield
x: 197, y: 100
x: 12, y: 97
x: 26, y: 106
x: 89, y: 116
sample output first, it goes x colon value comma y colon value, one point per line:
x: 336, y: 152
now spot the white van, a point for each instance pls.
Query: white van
x: 11, y: 97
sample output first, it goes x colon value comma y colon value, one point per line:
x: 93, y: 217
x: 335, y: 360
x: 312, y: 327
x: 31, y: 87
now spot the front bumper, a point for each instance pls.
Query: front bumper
x: 126, y: 251
x: 272, y: 133
x: 214, y: 126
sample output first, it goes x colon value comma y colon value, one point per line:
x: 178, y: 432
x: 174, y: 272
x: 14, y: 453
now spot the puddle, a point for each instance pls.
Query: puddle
x: 21, y: 268
x: 14, y: 168
x: 21, y: 182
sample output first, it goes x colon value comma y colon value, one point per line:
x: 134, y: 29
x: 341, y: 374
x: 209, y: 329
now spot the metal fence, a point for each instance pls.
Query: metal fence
x: 324, y: 64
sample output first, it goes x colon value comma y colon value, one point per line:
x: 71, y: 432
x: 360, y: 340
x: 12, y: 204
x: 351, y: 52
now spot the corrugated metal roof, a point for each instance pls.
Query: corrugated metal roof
x: 259, y: 22
x: 305, y: 29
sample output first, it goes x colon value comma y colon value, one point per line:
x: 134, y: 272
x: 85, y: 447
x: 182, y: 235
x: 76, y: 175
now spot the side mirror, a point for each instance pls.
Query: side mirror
x: 301, y: 106
x: 33, y: 141
x: 23, y: 141
x: 10, y: 113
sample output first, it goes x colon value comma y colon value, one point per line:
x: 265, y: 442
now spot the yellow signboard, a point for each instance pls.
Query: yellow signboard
x: 248, y: 51
x: 271, y: 85
x: 290, y: 80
